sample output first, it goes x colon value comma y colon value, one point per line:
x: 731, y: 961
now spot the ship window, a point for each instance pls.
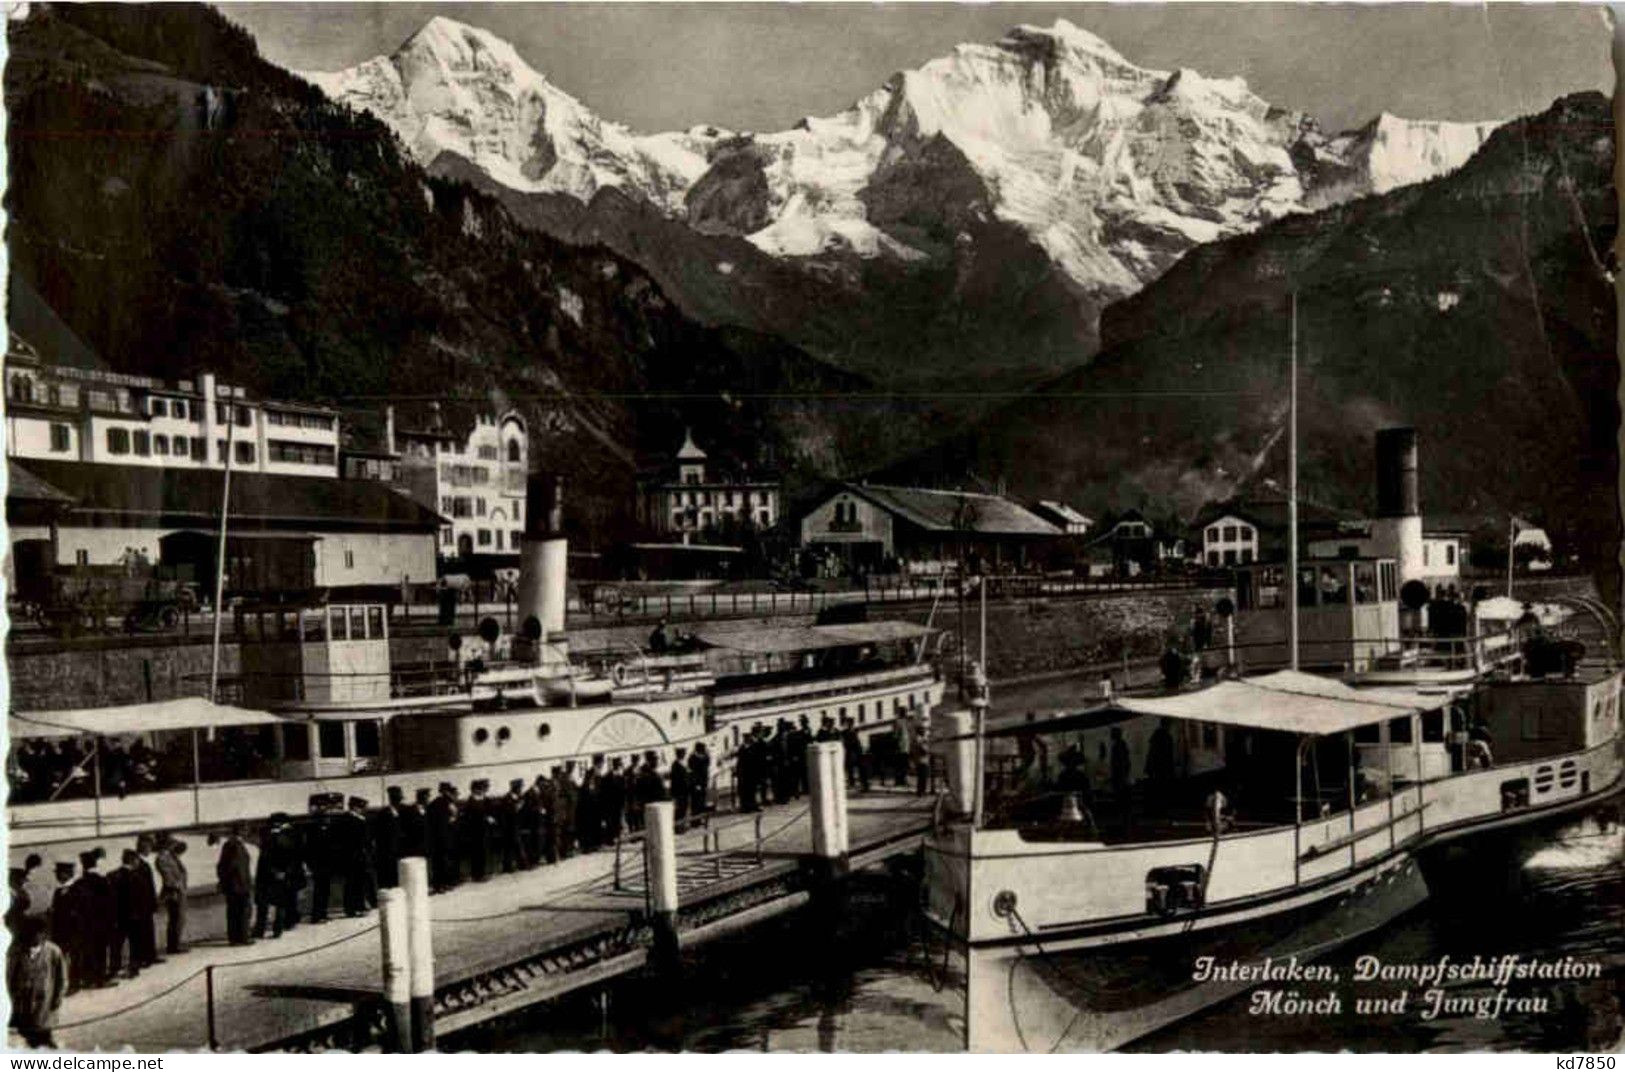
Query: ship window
x: 340, y: 630
x: 482, y: 735
x: 296, y: 742
x: 367, y: 738
x: 503, y: 734
x: 1365, y: 582
x: 314, y: 621
x: 1399, y: 730
x: 358, y: 623
x: 1334, y: 585
x: 330, y: 740
x: 1433, y: 726
x: 543, y: 730
x: 1369, y: 734
x: 375, y: 622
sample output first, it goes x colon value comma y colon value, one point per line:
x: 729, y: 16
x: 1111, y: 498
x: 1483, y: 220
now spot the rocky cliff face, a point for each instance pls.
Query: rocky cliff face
x: 1047, y: 145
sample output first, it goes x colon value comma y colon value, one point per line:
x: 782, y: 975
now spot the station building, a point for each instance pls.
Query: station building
x: 870, y: 526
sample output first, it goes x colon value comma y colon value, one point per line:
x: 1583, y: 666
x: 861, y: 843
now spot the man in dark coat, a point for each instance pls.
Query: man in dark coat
x: 531, y: 814
x: 651, y: 787
x: 89, y: 915
x: 612, y: 800
x: 629, y: 793
x: 320, y: 853
x: 172, y: 894
x: 699, y: 780
x: 386, y: 840
x: 474, y: 828
x: 444, y: 817
x: 236, y: 881
x: 145, y: 950
x: 857, y: 764
x: 547, y: 792
x: 799, y: 740
x: 677, y: 781
x: 36, y: 982
x: 271, y: 878
x: 414, y: 820
x: 589, y: 827
x: 136, y: 901
x: 355, y: 845
x: 509, y: 818
x: 564, y: 812
x: 747, y: 769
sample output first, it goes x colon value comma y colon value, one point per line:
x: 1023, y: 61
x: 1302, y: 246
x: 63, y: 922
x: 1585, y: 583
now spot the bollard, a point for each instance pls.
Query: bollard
x: 395, y: 946
x: 420, y: 951
x: 660, y: 873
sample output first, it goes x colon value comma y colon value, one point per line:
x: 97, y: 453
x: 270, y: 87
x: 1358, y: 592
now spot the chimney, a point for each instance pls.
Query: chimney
x: 389, y: 430
x: 543, y: 573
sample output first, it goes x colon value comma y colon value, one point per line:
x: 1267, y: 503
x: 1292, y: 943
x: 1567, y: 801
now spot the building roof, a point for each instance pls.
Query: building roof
x: 1271, y: 514
x: 182, y: 498
x: 23, y: 486
x: 1064, y: 512
x: 955, y: 511
x: 688, y: 451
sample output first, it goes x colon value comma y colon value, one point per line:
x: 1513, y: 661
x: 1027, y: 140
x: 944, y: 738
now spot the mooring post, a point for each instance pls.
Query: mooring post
x: 420, y: 952
x: 826, y: 779
x: 660, y: 865
x: 395, y: 947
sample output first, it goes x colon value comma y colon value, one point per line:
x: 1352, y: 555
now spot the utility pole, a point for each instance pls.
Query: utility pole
x: 1292, y: 489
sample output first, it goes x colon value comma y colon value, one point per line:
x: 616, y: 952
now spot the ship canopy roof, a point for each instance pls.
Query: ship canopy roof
x: 813, y: 637
x: 1286, y: 701
x: 192, y: 712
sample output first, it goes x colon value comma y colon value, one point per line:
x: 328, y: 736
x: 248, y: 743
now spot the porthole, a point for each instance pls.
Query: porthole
x: 503, y: 734
x: 674, y: 716
x: 482, y: 735
x: 543, y: 730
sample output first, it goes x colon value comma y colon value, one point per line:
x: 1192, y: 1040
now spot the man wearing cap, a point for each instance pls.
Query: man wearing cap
x: 356, y: 849
x: 85, y: 916
x: 63, y: 927
x: 146, y: 851
x: 319, y: 850
x: 677, y: 779
x: 589, y: 825
x: 172, y: 893
x: 415, y: 825
x: 387, y: 829
x: 136, y: 902
x: 236, y: 880
x: 510, y: 824
x: 473, y: 826
x: 564, y: 813
x: 442, y: 842
x: 612, y: 800
x: 699, y: 780
x: 271, y: 877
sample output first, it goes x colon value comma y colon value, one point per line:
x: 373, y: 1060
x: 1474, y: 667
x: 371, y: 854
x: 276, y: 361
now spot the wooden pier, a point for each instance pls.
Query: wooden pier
x: 499, y: 946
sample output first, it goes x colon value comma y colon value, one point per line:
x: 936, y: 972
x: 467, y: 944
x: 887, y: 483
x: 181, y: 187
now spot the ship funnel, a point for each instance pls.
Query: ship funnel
x: 1397, y: 494
x: 543, y: 571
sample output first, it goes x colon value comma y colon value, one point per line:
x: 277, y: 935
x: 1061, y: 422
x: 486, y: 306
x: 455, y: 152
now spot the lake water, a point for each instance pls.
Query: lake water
x: 878, y: 986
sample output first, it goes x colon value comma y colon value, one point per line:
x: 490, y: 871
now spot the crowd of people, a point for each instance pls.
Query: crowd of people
x: 78, y: 926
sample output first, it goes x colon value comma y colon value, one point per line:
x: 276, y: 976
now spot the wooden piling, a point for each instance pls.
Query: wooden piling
x: 420, y: 951
x: 660, y: 871
x: 395, y: 949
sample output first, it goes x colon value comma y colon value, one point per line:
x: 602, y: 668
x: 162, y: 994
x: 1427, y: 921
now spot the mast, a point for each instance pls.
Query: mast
x: 1292, y: 490
x: 220, y: 554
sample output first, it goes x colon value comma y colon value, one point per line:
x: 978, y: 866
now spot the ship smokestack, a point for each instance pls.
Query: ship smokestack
x: 1396, y: 531
x: 1397, y: 494
x: 543, y: 571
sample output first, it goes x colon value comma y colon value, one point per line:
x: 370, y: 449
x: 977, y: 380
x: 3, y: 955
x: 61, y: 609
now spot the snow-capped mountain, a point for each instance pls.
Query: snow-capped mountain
x: 1113, y: 169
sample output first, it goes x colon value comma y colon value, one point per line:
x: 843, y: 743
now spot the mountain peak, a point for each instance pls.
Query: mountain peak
x: 1072, y: 36
x: 463, y: 47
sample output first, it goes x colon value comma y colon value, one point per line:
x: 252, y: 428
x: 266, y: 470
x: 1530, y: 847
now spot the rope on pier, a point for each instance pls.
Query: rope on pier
x: 201, y: 971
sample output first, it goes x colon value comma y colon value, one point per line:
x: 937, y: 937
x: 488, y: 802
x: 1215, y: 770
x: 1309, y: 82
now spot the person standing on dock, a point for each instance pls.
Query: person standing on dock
x: 319, y: 850
x: 147, y: 933
x: 355, y: 846
x: 677, y: 779
x: 172, y: 893
x: 443, y: 819
x: 415, y: 825
x: 509, y: 815
x: 747, y: 769
x: 800, y: 738
x: 612, y: 801
x: 530, y: 824
x: 271, y: 880
x: 548, y: 798
x: 564, y: 813
x: 86, y: 915
x: 136, y: 903
x: 36, y: 982
x: 857, y: 766
x: 589, y: 827
x: 386, y: 839
x: 477, y: 826
x: 699, y: 780
x: 236, y: 881
x: 651, y: 787
x: 629, y: 789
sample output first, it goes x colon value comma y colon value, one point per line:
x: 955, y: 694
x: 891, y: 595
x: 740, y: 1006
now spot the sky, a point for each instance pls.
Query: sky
x: 762, y: 66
